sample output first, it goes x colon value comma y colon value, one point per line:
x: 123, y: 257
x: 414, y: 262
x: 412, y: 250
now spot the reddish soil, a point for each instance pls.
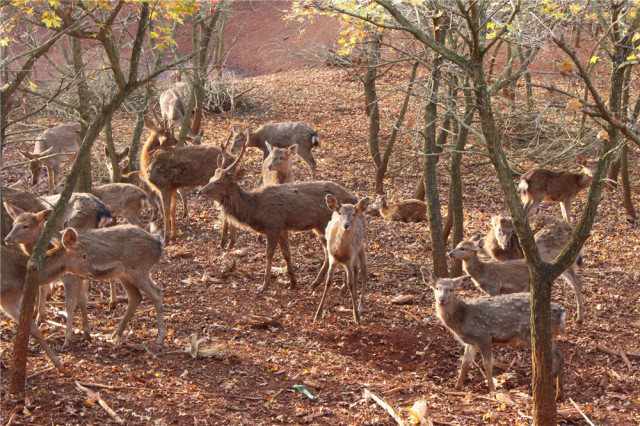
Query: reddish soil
x: 401, y: 353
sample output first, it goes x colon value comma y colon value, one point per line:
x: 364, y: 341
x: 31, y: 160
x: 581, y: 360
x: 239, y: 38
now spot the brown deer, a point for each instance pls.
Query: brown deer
x: 538, y: 185
x: 551, y: 235
x: 281, y: 135
x: 168, y: 169
x: 60, y: 142
x: 345, y: 235
x: 274, y: 210
x: 403, y: 211
x: 126, y: 253
x: 134, y: 178
x: 484, y: 322
x: 173, y: 111
x: 68, y: 256
x: 26, y: 201
x: 277, y: 167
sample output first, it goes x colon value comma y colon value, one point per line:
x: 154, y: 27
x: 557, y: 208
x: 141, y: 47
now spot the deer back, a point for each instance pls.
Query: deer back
x: 281, y: 135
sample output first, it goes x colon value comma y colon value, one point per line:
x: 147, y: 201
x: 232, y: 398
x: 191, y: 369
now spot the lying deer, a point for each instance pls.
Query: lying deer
x: 484, y: 322
x: 168, y: 169
x: 345, y: 235
x: 276, y: 170
x: 552, y: 235
x: 538, y: 185
x: 173, y: 111
x: 403, y: 211
x: 281, y: 135
x: 60, y: 142
x: 68, y: 256
x: 134, y: 178
x: 274, y: 210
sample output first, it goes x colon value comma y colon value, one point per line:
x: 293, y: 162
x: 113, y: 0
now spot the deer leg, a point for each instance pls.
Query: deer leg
x: 272, y: 242
x: 558, y: 372
x: 71, y: 284
x: 174, y: 233
x: 225, y: 232
x: 565, y: 206
x: 113, y: 295
x: 135, y: 297
x: 232, y: 235
x: 51, y: 178
x: 327, y: 284
x: 148, y: 287
x: 573, y: 280
x: 352, y: 288
x: 285, y: 247
x: 83, y: 298
x: 362, y: 257
x: 184, y: 198
x: 467, y: 360
x: 487, y: 360
x: 308, y: 158
x: 325, y: 263
x: 41, y: 301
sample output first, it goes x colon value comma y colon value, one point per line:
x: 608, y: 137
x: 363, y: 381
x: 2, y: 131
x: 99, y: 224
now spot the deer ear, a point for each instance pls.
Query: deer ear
x: 428, y: 277
x: 69, y: 238
x: 332, y: 203
x: 13, y: 211
x: 124, y: 164
x: 26, y: 155
x: 235, y: 129
x: 124, y: 152
x: 495, y: 221
x: 150, y: 124
x: 44, y: 215
x: 293, y: 149
x: 462, y: 280
x: 269, y: 147
x: 362, y: 205
x: 239, y: 174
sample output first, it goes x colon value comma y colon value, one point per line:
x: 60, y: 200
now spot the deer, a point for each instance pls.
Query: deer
x: 538, y: 185
x: 403, y: 211
x: 21, y: 199
x: 551, y: 236
x: 276, y: 170
x: 274, y: 210
x: 52, y: 147
x: 83, y: 211
x: 173, y: 111
x: 134, y: 178
x: 126, y: 253
x: 345, y: 235
x: 491, y: 276
x: 168, y: 169
x: 68, y: 256
x: 484, y: 322
x: 281, y: 135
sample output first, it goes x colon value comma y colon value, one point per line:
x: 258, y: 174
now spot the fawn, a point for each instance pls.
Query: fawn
x: 403, y: 211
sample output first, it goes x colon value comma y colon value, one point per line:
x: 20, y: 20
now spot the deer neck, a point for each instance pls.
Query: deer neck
x: 585, y: 177
x: 473, y: 266
x: 238, y: 204
x: 147, y: 150
x: 340, y: 241
x: 54, y: 264
x: 452, y: 314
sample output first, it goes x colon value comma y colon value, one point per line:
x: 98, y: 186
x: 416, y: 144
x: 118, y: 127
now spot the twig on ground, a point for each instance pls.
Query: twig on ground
x: 381, y: 402
x: 581, y: 412
x: 103, y: 404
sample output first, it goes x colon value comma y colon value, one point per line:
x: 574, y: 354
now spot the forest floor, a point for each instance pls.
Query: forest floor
x: 401, y: 353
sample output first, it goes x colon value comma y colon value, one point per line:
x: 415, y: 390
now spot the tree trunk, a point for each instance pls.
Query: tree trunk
x: 371, y: 99
x: 137, y: 131
x: 626, y: 185
x: 84, y: 180
x: 111, y: 149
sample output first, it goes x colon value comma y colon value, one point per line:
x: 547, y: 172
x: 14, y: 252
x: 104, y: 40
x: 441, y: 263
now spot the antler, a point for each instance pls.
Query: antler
x: 225, y: 144
x: 244, y: 148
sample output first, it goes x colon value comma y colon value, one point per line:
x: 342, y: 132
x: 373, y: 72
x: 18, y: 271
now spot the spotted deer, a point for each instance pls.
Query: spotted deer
x: 403, y: 211
x: 538, y: 185
x: 484, y: 322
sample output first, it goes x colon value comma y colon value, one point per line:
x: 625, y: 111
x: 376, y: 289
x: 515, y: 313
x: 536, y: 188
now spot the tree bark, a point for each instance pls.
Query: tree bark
x: 84, y: 179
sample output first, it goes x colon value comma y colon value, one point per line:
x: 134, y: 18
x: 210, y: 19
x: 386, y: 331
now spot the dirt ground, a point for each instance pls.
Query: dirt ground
x: 401, y: 353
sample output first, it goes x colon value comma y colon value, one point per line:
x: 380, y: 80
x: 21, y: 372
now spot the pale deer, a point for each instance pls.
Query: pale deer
x: 24, y: 200
x: 403, y: 211
x: 551, y: 235
x: 346, y: 235
x: 274, y: 210
x: 168, y: 169
x: 538, y: 185
x: 68, y: 256
x: 57, y: 143
x: 83, y: 211
x: 491, y: 276
x: 281, y: 135
x: 134, y: 178
x: 126, y: 253
x: 484, y: 322
x: 173, y: 111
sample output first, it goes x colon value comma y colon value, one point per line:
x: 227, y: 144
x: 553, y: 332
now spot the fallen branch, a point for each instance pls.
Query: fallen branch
x: 606, y: 350
x: 37, y: 373
x: 412, y: 316
x: 580, y: 411
x: 95, y: 395
x: 381, y: 402
x: 625, y: 359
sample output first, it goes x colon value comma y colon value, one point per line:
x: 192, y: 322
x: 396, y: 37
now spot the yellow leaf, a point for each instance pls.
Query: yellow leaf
x: 574, y: 105
x: 594, y: 59
x: 630, y: 57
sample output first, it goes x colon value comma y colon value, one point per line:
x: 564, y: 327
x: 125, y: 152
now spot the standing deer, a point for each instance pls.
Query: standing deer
x: 551, y: 235
x: 173, y: 111
x: 68, y: 256
x: 168, y: 169
x: 403, y: 211
x: 281, y: 135
x: 24, y: 200
x: 63, y: 140
x: 538, y: 185
x: 134, y: 178
x: 345, y: 235
x: 274, y: 210
x: 481, y: 323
